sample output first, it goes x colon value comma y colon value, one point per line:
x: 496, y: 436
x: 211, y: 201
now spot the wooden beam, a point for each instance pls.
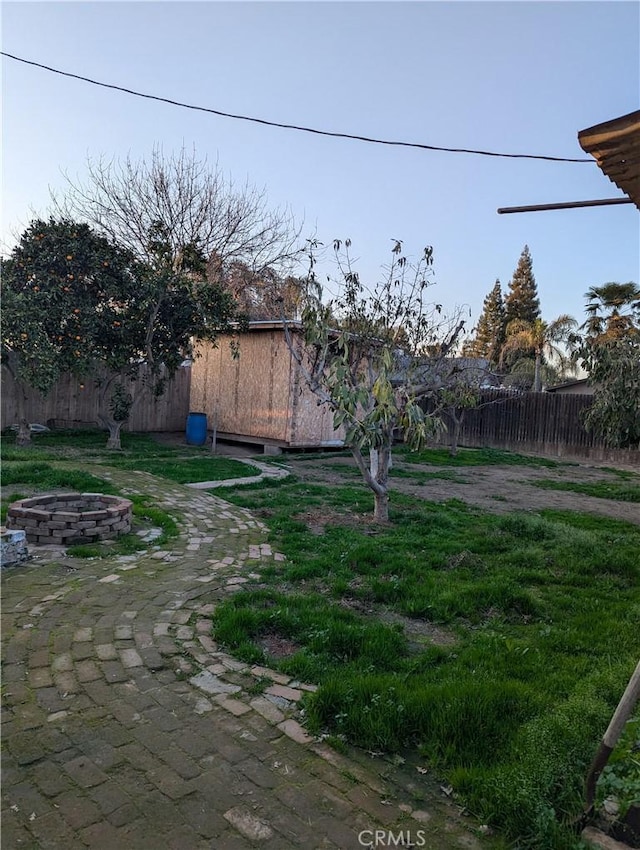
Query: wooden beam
x: 568, y: 205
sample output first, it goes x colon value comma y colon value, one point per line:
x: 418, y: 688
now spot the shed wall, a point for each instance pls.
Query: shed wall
x: 259, y: 394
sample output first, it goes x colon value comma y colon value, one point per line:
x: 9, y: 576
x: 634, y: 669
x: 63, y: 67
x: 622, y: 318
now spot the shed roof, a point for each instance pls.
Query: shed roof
x: 270, y: 325
x: 615, y: 145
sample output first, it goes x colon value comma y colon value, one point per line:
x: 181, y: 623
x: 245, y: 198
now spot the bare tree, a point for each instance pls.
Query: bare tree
x: 373, y: 357
x: 188, y: 226
x: 193, y: 205
x: 257, y: 295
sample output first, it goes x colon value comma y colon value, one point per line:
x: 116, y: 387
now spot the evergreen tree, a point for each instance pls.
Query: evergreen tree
x: 490, y: 331
x: 522, y: 303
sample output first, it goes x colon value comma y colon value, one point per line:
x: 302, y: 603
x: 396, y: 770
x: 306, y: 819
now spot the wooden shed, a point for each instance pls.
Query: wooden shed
x: 259, y: 396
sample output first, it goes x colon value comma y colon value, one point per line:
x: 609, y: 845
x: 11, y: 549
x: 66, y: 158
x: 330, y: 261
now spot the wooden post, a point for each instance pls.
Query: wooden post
x: 610, y: 739
x: 214, y: 437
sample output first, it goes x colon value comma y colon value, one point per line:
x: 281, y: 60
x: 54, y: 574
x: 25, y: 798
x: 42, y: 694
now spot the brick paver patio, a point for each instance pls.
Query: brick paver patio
x: 125, y: 727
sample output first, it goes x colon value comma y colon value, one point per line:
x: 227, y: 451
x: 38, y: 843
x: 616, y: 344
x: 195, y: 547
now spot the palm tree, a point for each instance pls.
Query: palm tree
x: 542, y: 339
x: 612, y: 309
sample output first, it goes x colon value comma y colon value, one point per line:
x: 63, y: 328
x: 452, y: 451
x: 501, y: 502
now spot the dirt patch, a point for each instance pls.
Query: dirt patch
x: 317, y: 521
x: 497, y: 489
x: 278, y: 647
x: 419, y: 631
x: 501, y: 489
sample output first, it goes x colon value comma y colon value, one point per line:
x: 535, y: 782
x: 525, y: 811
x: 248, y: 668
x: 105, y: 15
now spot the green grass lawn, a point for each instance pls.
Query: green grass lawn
x: 474, y: 457
x: 442, y: 457
x: 42, y: 476
x: 188, y: 470
x: 80, y: 443
x: 183, y: 464
x: 621, y: 491
x: 542, y: 616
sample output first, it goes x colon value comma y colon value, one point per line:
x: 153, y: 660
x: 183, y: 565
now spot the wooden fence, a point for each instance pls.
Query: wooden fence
x: 542, y: 423
x: 545, y: 423
x: 73, y: 403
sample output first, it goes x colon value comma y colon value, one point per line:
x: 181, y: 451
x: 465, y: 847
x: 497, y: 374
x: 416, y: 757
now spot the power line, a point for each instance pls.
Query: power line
x: 290, y: 126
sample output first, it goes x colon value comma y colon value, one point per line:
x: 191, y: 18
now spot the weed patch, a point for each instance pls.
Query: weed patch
x: 470, y: 723
x: 421, y: 477
x: 7, y: 501
x: 620, y: 779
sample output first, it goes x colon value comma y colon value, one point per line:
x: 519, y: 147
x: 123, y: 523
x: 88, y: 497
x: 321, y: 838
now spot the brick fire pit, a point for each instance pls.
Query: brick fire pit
x: 70, y: 517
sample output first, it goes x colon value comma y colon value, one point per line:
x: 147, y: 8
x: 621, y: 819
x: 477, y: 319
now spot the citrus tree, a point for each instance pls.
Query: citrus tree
x: 76, y: 302
x: 63, y: 292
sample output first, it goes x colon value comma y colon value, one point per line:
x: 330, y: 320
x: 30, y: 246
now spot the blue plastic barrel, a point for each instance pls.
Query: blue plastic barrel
x: 196, y: 429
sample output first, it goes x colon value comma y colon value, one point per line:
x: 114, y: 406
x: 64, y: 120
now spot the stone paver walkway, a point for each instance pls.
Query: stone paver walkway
x: 126, y: 727
x: 266, y: 472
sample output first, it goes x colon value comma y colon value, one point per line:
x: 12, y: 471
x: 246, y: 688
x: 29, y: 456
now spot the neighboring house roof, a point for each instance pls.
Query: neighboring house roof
x: 615, y: 145
x: 436, y: 371
x: 575, y: 385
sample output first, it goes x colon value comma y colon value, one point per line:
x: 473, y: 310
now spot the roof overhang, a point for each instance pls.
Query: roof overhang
x: 615, y: 145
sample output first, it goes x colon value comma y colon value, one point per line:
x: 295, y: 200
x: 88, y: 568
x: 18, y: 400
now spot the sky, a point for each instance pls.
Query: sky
x: 513, y: 77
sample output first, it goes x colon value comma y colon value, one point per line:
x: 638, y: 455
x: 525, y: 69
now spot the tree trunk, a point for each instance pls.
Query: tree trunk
x: 114, y: 431
x: 537, y: 383
x: 381, y: 507
x: 379, y: 460
x: 380, y: 463
x: 455, y: 434
x: 373, y: 462
x: 106, y: 414
x: 114, y: 435
x: 23, y: 437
